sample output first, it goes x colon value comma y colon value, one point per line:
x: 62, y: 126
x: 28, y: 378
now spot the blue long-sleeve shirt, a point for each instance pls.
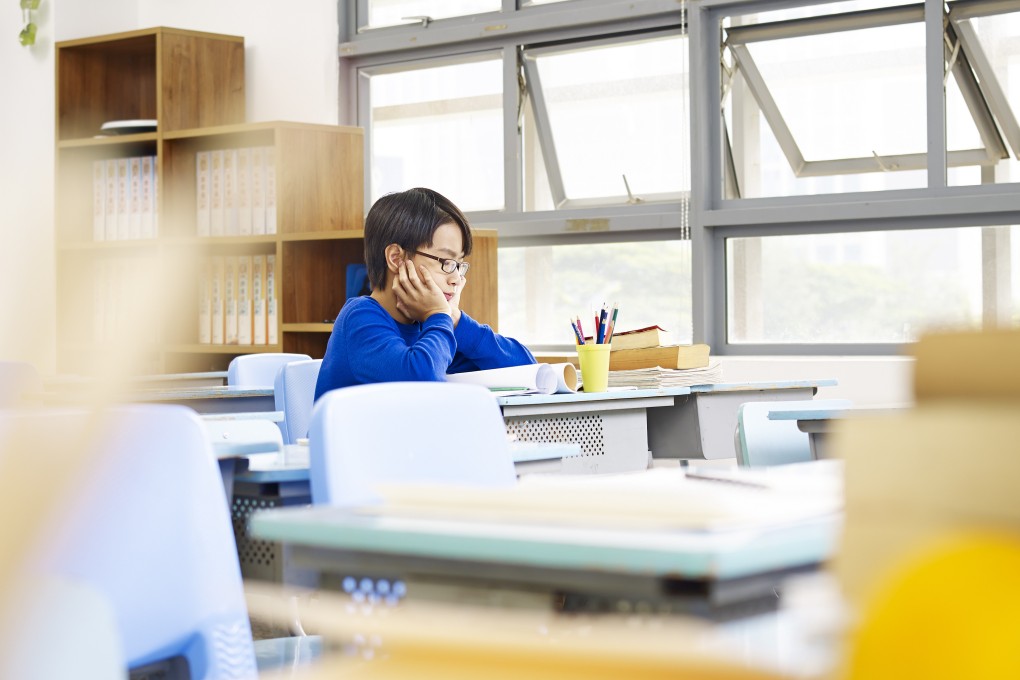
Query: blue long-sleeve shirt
x: 369, y: 346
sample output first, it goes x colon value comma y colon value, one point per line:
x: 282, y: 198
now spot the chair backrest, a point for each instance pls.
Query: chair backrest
x: 147, y: 526
x: 761, y: 442
x: 258, y: 370
x: 294, y: 392
x: 17, y: 378
x: 405, y: 432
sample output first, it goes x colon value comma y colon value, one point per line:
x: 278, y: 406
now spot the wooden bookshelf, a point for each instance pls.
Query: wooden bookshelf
x: 192, y: 84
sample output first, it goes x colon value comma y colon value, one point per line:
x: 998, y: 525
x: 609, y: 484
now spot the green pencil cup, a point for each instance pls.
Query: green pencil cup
x: 594, y: 360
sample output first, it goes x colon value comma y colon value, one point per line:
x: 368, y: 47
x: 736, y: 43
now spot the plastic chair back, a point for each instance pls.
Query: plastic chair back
x: 762, y: 442
x: 405, y: 432
x: 294, y: 392
x: 17, y: 378
x: 258, y: 370
x: 147, y: 527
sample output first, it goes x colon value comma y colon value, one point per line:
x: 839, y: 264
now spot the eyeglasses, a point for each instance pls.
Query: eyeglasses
x: 448, y: 266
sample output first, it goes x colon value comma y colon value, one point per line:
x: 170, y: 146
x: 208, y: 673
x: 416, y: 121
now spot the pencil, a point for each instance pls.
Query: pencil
x: 612, y: 322
x: 580, y: 330
x: 578, y: 338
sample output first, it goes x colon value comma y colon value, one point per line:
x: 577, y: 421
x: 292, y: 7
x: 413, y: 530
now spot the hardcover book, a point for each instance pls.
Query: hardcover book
x: 668, y: 356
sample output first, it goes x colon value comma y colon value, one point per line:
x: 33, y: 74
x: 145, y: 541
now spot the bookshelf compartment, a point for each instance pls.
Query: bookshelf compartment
x: 105, y: 79
x: 315, y: 278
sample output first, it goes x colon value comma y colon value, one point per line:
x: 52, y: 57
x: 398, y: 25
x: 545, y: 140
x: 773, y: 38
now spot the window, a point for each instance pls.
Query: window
x: 439, y: 126
x: 867, y: 287
x: 567, y: 134
x: 383, y: 13
x: 542, y: 287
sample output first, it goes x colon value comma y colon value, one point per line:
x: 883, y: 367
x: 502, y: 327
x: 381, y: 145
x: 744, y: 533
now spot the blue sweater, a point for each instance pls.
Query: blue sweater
x: 369, y: 346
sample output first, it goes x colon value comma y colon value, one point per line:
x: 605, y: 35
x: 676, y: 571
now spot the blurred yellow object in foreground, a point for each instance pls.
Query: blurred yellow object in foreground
x: 951, y: 611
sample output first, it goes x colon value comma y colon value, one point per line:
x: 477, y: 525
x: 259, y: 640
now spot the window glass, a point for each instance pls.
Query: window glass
x: 441, y: 128
x: 394, y: 12
x: 998, y: 40
x: 618, y: 111
x: 872, y: 287
x: 541, y: 288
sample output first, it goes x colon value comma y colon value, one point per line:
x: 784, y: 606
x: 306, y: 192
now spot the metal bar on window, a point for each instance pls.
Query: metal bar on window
x: 543, y: 126
x: 977, y: 105
x: 851, y: 21
x: 969, y: 9
x: 935, y: 72
x: 756, y: 84
x: 513, y: 171
x: 891, y: 163
x: 988, y: 82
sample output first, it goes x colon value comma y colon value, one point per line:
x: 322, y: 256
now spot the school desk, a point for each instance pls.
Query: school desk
x: 584, y: 565
x: 618, y: 429
x: 817, y: 423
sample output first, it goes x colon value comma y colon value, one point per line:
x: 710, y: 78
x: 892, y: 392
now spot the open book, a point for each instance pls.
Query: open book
x: 527, y: 379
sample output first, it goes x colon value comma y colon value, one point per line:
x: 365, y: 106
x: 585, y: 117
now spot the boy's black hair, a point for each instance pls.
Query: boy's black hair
x: 409, y: 219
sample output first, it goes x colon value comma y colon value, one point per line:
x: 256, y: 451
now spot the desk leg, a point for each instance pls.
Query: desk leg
x: 701, y: 425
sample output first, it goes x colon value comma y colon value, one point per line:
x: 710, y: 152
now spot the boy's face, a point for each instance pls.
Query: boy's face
x: 447, y: 243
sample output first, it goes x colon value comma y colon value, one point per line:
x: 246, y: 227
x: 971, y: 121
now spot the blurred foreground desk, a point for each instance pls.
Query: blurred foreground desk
x: 579, y: 564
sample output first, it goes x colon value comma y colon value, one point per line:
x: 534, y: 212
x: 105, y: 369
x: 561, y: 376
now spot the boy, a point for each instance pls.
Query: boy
x: 411, y: 327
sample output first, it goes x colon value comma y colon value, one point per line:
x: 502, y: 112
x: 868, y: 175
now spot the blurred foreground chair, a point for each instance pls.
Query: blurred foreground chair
x: 146, y: 526
x: 294, y: 391
x: 258, y: 370
x: 761, y: 442
x: 405, y: 432
x: 17, y: 379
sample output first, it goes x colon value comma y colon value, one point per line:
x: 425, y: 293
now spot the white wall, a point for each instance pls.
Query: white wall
x: 291, y: 67
x: 866, y: 381
x: 27, y: 283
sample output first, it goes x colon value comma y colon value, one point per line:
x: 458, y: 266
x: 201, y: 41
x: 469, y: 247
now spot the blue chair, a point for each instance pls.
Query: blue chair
x: 147, y: 527
x: 294, y: 392
x: 258, y: 370
x: 405, y: 432
x: 17, y: 378
x: 762, y: 442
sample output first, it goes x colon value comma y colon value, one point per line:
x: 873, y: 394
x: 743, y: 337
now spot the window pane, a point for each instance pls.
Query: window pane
x: 876, y: 287
x: 394, y: 12
x: 619, y: 110
x: 861, y: 96
x: 998, y: 39
x: 542, y: 287
x: 441, y: 128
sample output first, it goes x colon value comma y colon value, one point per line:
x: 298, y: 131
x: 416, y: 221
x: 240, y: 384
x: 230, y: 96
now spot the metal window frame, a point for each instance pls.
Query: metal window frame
x: 571, y: 21
x: 716, y: 218
x: 738, y: 38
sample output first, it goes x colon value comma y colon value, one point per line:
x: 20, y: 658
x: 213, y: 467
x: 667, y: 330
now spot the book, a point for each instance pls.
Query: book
x: 148, y: 229
x: 123, y: 198
x: 110, y: 213
x: 230, y: 192
x: 269, y: 172
x: 205, y: 302
x: 202, y: 192
x: 243, y: 173
x: 258, y: 296
x: 258, y: 191
x: 272, y: 337
x: 217, y: 218
x: 135, y: 202
x: 244, y: 307
x: 230, y: 300
x: 668, y: 356
x: 99, y: 200
x: 649, y: 336
x: 654, y: 378
x: 216, y: 298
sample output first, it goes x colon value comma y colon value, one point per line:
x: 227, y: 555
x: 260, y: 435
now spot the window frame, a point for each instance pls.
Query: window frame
x: 716, y: 217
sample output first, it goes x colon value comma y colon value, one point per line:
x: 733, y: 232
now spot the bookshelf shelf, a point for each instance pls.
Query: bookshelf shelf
x: 113, y: 285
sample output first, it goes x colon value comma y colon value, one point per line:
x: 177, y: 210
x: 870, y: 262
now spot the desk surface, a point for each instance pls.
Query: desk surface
x: 618, y: 394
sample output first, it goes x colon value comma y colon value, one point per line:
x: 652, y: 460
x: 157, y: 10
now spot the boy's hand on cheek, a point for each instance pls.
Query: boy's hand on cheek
x: 418, y: 296
x: 455, y: 301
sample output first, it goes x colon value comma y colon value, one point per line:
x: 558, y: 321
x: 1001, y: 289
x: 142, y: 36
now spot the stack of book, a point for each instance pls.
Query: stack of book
x: 646, y: 358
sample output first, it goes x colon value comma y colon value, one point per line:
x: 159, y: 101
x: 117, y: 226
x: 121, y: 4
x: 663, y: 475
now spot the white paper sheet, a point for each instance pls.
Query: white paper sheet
x: 527, y: 379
